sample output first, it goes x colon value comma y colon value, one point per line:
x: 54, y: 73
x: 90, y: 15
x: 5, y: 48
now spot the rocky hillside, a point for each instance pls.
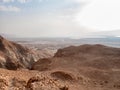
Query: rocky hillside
x: 95, y: 66
x: 85, y: 67
x: 14, y: 56
x: 94, y: 56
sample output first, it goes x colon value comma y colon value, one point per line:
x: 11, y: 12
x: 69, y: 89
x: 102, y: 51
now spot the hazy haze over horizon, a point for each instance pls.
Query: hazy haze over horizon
x: 60, y: 18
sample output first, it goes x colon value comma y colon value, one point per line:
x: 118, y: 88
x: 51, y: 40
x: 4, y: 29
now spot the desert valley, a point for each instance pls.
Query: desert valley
x: 59, y: 44
x: 25, y: 66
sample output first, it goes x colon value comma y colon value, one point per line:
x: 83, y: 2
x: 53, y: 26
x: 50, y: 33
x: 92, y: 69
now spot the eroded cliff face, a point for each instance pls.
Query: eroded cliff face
x: 14, y: 56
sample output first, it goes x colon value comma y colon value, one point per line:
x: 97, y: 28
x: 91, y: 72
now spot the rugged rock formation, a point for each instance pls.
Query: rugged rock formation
x: 29, y: 80
x: 14, y: 56
x: 91, y: 65
x: 85, y: 67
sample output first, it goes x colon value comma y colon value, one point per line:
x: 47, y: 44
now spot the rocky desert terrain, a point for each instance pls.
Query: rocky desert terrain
x: 84, y: 67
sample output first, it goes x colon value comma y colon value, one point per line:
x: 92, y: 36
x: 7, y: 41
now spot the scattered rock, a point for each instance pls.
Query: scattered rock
x: 64, y: 88
x: 32, y: 80
x: 62, y: 76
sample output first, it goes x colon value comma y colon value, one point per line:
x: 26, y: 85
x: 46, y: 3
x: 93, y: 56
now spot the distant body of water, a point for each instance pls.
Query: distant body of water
x: 113, y: 42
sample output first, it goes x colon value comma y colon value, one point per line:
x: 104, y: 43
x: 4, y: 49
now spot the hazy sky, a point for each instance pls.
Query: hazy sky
x: 60, y: 18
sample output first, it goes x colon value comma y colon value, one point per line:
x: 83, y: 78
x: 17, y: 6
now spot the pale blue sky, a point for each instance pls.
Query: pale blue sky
x: 59, y: 18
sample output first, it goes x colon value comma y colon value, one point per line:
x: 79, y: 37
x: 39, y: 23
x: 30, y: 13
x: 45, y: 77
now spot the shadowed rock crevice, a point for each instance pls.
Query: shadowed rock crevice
x: 42, y: 65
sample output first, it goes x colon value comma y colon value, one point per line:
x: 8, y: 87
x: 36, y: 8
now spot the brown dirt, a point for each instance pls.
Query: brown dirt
x: 95, y: 66
x: 85, y: 67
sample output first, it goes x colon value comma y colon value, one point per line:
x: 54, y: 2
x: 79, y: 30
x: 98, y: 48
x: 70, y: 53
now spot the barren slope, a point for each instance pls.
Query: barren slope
x: 85, y: 67
x: 89, y: 65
